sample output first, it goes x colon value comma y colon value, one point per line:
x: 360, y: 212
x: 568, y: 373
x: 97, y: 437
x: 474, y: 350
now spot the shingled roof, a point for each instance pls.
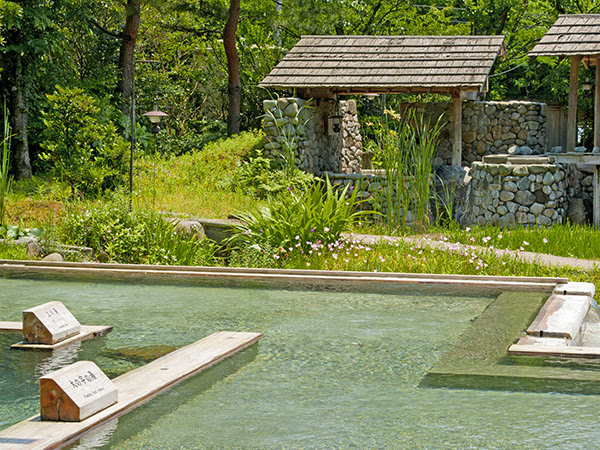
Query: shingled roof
x: 571, y: 35
x: 387, y: 64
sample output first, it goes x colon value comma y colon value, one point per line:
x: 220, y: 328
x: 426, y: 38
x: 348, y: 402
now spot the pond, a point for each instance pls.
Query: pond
x: 337, y: 368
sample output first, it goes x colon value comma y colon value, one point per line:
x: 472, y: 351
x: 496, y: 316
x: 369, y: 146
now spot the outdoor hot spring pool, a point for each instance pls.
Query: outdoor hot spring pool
x: 336, y: 369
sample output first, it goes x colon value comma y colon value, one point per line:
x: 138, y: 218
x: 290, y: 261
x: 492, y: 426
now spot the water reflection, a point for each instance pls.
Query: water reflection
x: 40, y: 363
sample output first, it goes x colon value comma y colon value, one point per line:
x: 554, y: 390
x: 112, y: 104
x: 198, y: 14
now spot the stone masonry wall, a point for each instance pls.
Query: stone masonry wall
x: 305, y: 122
x: 489, y: 127
x: 520, y: 194
x: 372, y: 188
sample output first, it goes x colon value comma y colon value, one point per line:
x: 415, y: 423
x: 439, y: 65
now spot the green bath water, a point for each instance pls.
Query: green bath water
x: 335, y: 369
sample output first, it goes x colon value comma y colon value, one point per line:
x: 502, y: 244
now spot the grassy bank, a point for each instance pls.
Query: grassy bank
x: 198, y: 184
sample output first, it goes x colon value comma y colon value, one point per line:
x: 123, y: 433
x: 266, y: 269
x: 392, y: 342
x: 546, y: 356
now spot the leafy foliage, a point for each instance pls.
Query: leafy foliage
x: 138, y: 237
x: 258, y: 177
x: 320, y: 214
x: 86, y: 151
x: 406, y: 146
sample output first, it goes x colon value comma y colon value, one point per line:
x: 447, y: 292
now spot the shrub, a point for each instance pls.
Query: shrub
x: 138, y: 237
x: 85, y: 149
x: 295, y: 220
x: 258, y: 177
x: 201, y: 134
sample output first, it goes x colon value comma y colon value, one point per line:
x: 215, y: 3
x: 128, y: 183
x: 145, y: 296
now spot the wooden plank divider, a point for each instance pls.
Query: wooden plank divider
x: 135, y: 387
x: 559, y: 352
x: 143, y: 272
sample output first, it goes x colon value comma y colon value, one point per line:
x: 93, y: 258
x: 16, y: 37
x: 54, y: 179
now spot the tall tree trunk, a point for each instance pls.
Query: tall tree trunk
x: 19, y: 120
x: 127, y: 54
x: 233, y: 68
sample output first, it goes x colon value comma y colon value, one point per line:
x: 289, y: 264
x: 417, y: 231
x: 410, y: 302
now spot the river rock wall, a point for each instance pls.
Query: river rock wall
x: 516, y: 195
x: 488, y: 127
x: 304, y: 124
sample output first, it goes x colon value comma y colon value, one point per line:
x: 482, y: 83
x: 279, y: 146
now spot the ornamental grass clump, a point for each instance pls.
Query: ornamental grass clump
x: 407, y: 145
x: 298, y: 219
x: 5, y: 177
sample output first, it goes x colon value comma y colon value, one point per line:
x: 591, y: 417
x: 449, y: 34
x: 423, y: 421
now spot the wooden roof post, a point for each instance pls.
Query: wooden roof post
x: 457, y: 118
x: 597, y: 105
x: 572, y: 113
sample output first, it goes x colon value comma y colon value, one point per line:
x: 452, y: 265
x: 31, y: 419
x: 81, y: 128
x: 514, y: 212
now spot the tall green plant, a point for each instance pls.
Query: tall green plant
x: 4, y: 166
x: 407, y: 145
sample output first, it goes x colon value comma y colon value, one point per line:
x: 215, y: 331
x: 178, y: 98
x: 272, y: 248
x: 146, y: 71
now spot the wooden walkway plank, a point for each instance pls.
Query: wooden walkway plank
x: 135, y: 388
x: 145, y: 272
x: 554, y: 351
x: 561, y: 317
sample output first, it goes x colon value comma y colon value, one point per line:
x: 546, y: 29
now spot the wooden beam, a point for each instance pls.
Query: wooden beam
x: 597, y: 109
x: 572, y: 113
x: 135, y: 388
x: 457, y: 117
x: 596, y: 197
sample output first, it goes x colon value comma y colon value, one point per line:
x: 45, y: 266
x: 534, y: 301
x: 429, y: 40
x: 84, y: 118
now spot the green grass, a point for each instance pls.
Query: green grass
x: 407, y: 258
x: 560, y: 240
x: 193, y: 183
x: 8, y: 251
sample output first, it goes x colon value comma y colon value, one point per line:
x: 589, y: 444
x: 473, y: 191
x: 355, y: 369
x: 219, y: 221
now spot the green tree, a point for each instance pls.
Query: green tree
x: 85, y: 149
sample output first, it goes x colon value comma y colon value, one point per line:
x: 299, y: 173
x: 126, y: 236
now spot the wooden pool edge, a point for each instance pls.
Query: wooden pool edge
x: 115, y: 272
x: 135, y: 388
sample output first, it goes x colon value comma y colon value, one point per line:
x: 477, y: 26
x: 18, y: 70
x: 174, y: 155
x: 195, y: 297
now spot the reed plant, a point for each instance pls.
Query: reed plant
x: 407, y: 144
x: 4, y: 166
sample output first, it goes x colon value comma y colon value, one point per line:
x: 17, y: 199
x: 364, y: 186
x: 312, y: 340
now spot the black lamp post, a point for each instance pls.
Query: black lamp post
x: 133, y: 130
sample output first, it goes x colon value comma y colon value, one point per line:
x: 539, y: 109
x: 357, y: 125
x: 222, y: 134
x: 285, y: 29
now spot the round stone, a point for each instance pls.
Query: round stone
x: 507, y: 196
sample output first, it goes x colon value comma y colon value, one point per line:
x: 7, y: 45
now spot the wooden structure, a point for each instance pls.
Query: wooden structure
x: 135, y: 388
x: 270, y: 277
x: 75, y: 392
x: 576, y: 37
x: 51, y: 326
x: 328, y: 66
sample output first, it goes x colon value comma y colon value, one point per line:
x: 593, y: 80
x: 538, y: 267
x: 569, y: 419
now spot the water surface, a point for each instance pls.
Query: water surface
x: 335, y: 369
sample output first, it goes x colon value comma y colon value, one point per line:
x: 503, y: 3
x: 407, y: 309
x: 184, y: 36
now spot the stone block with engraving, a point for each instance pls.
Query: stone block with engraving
x: 48, y: 324
x: 75, y: 392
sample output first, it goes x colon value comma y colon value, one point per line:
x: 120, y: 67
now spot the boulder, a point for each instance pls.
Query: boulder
x: 53, y: 257
x: 190, y: 227
x: 35, y: 250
